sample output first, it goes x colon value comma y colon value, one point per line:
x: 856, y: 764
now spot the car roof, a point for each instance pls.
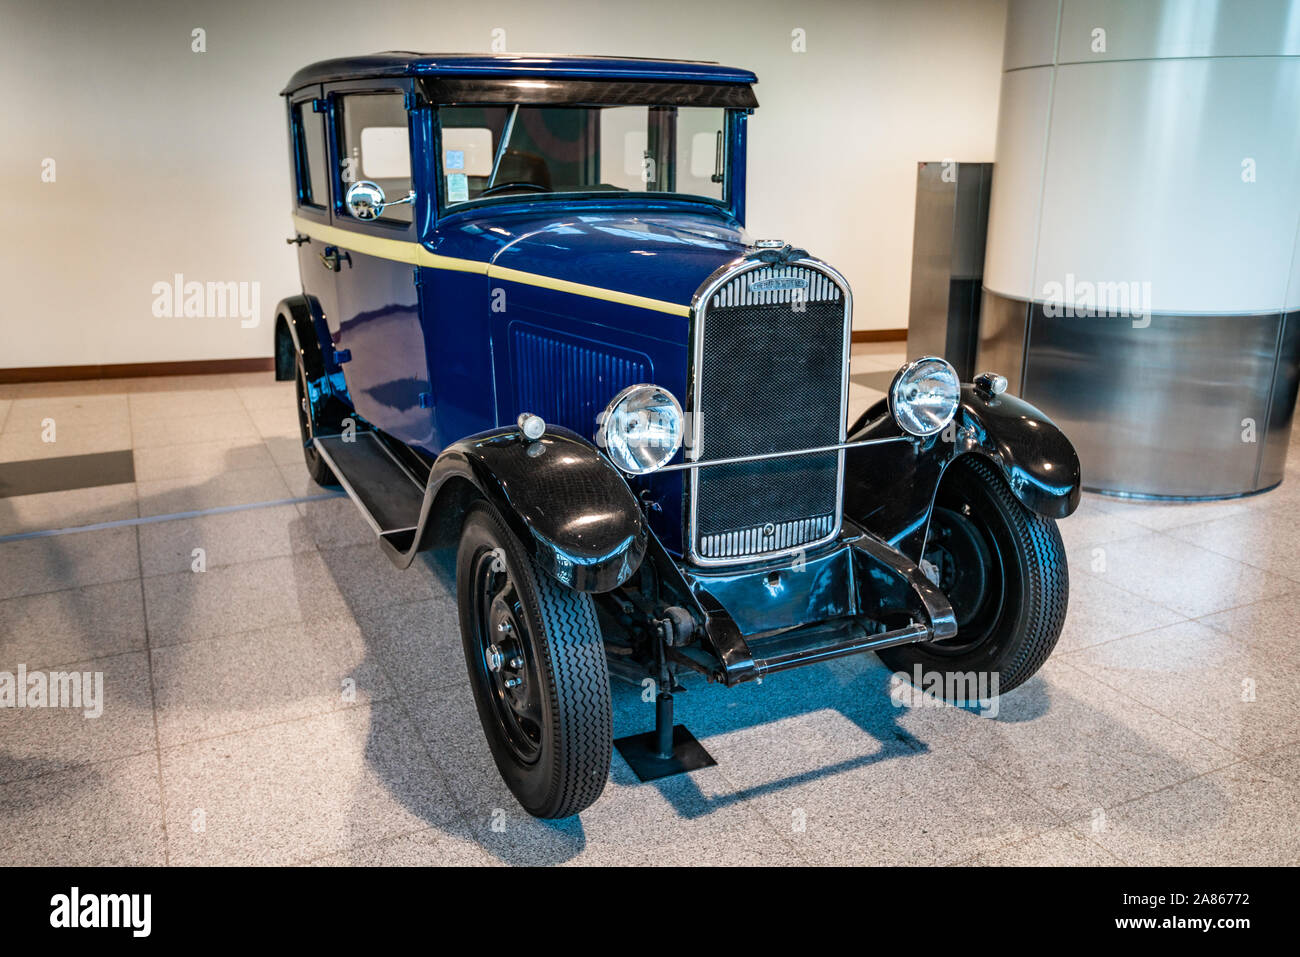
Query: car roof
x: 406, y: 63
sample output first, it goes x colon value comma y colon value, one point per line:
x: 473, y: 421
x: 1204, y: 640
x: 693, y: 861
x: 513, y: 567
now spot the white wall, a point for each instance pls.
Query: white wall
x: 169, y: 161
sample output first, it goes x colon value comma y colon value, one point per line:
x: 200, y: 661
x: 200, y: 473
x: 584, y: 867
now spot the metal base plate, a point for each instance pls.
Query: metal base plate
x: 638, y: 750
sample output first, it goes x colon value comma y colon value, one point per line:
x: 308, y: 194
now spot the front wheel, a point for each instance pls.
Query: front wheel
x: 1003, y: 569
x: 536, y: 661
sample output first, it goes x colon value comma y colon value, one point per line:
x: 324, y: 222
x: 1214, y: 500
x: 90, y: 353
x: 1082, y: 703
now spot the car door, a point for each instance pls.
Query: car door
x: 378, y: 338
x: 309, y: 148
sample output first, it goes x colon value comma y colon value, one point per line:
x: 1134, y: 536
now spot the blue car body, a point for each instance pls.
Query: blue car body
x: 438, y: 333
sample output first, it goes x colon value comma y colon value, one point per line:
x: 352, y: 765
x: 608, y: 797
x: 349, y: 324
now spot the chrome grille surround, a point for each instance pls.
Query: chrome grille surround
x: 730, y: 287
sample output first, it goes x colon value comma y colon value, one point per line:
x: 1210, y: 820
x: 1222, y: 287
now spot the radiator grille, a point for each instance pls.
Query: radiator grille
x: 769, y: 378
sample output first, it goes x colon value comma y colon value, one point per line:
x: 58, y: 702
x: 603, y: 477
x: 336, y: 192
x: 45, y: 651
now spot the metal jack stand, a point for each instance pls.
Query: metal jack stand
x: 667, y: 750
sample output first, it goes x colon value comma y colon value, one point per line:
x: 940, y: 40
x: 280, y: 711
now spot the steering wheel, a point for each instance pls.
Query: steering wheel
x: 534, y: 187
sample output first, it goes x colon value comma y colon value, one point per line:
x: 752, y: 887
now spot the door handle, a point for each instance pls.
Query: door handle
x: 332, y: 256
x: 298, y: 240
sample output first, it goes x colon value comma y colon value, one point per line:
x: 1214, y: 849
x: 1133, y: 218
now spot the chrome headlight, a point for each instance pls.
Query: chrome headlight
x: 641, y: 429
x: 924, y: 396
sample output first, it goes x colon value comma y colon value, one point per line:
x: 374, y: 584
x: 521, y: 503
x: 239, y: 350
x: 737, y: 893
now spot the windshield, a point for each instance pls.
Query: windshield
x: 542, y: 150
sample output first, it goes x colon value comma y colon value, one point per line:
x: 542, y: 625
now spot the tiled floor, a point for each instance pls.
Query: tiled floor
x: 300, y: 700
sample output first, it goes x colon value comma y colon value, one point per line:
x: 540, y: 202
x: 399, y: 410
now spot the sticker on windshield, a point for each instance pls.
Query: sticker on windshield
x: 457, y: 188
x: 455, y: 159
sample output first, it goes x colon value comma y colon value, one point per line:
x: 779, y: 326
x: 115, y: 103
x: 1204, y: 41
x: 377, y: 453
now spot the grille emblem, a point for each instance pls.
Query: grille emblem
x: 769, y: 530
x: 775, y: 283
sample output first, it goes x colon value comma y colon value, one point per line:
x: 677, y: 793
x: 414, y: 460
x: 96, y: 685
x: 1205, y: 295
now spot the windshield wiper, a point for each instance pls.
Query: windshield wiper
x: 501, y: 147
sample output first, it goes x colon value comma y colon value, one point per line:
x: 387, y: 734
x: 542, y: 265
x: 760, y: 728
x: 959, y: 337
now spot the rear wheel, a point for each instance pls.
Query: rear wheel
x: 1003, y: 569
x: 537, y: 665
x: 321, y: 473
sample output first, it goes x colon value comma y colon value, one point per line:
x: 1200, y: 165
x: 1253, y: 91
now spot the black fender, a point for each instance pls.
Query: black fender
x: 295, y: 336
x: 299, y: 331
x: 567, y: 503
x: 889, y: 488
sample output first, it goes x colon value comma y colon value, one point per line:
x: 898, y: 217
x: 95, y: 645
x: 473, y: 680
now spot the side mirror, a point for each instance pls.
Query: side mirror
x: 366, y: 200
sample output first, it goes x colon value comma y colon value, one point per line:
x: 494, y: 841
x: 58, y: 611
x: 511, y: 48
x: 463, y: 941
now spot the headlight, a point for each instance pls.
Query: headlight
x: 924, y: 396
x: 641, y: 428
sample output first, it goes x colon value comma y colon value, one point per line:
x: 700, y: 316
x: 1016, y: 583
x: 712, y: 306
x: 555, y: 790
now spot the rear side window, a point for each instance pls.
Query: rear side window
x: 375, y: 145
x: 313, y: 172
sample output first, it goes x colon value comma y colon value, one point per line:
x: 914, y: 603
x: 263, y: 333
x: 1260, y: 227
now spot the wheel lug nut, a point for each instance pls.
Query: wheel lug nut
x: 513, y: 682
x: 505, y: 627
x: 516, y: 663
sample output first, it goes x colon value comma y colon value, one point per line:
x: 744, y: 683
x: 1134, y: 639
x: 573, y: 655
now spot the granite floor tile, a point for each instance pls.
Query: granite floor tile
x: 1177, y: 575
x: 149, y: 406
x: 675, y: 821
x: 1059, y: 847
x: 417, y: 643
x: 68, y: 439
x: 201, y: 460
x: 298, y: 791
x: 94, y: 816
x: 183, y: 430
x: 68, y: 508
x: 1220, y: 686
x: 449, y: 845
x: 244, y: 597
x: 76, y: 624
x: 1099, y: 612
x: 226, y: 538
x: 286, y: 450
x: 1162, y: 516
x: 57, y: 562
x: 1284, y: 763
x: 117, y: 723
x: 366, y: 579
x: 1076, y: 744
x: 268, y: 395
x: 223, y: 685
x: 1092, y: 524
x: 80, y: 412
x: 332, y: 523
x: 1264, y: 539
x: 1241, y: 815
x: 243, y: 487
x: 278, y: 421
x: 1269, y: 626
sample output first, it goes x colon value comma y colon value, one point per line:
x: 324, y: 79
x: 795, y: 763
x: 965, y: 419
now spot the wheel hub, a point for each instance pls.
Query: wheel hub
x: 507, y: 660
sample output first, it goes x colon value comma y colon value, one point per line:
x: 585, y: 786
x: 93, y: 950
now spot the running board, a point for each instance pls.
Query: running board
x: 385, y: 491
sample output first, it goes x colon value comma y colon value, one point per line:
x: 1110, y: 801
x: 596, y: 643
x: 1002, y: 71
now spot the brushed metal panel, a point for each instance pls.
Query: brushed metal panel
x: 1286, y: 383
x: 1004, y: 323
x: 948, y: 262
x: 927, y: 313
x: 1158, y: 410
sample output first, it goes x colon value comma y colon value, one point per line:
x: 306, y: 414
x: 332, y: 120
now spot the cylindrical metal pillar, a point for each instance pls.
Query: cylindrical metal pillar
x: 1142, y: 275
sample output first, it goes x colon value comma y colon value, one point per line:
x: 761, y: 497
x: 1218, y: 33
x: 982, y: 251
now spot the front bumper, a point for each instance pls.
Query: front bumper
x: 855, y: 595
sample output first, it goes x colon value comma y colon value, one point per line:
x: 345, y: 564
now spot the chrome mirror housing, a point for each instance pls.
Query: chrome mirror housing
x: 366, y: 200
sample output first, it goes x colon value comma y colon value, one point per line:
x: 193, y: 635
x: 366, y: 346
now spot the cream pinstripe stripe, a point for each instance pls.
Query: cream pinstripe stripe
x: 400, y: 250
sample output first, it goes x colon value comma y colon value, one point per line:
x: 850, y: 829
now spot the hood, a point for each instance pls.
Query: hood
x: 664, y: 256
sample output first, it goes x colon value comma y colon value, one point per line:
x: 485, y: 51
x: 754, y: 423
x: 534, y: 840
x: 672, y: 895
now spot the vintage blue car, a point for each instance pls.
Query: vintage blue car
x: 533, y: 328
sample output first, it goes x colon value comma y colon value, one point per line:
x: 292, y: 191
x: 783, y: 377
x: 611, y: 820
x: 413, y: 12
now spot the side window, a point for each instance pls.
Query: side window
x: 375, y: 145
x: 309, y: 127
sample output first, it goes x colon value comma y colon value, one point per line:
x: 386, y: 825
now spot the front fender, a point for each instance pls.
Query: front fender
x: 890, y: 488
x: 570, y: 507
x: 1034, y: 456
